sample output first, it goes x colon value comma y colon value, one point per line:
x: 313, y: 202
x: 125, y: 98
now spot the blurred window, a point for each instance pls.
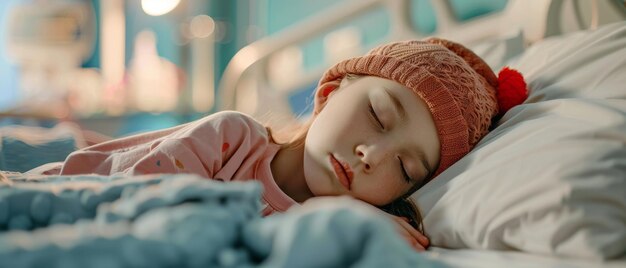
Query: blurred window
x: 468, y: 9
x: 423, y: 14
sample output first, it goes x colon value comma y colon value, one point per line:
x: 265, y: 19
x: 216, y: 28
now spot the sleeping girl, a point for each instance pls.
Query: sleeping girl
x: 383, y: 125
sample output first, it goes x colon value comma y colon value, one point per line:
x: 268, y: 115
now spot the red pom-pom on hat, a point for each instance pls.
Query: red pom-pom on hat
x: 512, y: 89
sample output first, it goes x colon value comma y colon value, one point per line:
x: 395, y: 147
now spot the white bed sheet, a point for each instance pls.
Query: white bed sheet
x: 469, y: 258
x: 550, y: 179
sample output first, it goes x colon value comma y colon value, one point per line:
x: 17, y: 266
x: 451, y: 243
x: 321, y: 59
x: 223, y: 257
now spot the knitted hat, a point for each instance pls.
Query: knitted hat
x: 457, y: 85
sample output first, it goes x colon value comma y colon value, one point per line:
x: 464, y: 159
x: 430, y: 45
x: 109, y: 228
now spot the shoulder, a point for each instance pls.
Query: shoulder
x: 235, y: 120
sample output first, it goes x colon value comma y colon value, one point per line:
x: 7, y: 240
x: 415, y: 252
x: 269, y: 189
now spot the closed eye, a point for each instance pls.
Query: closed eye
x: 405, y: 174
x: 375, y: 117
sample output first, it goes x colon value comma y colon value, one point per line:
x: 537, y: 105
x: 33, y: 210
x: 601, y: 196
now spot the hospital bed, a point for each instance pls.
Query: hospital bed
x: 545, y: 188
x: 249, y: 83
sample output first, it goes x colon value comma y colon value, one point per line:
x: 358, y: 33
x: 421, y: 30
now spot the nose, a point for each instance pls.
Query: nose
x: 371, y: 155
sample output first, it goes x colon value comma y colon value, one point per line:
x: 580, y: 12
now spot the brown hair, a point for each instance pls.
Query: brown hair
x: 404, y: 207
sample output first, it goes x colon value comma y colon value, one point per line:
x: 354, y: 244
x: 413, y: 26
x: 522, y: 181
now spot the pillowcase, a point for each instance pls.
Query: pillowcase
x: 499, y: 51
x: 550, y: 179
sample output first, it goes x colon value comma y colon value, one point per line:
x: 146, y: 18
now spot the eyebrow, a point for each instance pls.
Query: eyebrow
x: 397, y: 104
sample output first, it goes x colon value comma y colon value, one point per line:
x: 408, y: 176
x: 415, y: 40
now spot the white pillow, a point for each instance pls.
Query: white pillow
x: 500, y: 51
x: 551, y: 178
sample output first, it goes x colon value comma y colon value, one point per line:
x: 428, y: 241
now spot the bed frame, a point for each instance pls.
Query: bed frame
x: 246, y: 85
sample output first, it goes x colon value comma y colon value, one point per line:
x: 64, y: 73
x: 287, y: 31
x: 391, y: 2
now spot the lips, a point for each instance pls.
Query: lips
x: 342, y: 171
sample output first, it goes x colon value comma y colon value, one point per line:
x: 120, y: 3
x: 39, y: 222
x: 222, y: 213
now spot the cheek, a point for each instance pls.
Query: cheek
x: 327, y: 132
x: 381, y: 187
x: 308, y: 167
x: 342, y: 116
x: 316, y: 176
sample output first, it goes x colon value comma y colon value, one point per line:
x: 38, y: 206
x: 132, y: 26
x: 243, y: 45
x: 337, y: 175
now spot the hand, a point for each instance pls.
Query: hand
x: 416, y: 239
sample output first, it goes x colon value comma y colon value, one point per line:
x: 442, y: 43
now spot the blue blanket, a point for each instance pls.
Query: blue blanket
x: 184, y: 221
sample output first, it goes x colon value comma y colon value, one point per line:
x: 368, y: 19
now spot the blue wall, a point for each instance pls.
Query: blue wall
x: 94, y: 60
x: 165, y: 28
x: 279, y: 15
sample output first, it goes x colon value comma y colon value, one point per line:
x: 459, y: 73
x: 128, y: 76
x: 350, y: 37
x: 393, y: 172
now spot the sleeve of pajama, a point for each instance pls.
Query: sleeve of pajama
x: 201, y: 147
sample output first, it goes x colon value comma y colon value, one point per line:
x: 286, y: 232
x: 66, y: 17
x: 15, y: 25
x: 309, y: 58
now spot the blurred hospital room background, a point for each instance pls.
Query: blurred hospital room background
x: 118, y: 67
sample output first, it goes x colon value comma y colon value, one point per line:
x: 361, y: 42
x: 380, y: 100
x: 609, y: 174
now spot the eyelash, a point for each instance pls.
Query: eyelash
x: 406, y: 176
x: 373, y: 114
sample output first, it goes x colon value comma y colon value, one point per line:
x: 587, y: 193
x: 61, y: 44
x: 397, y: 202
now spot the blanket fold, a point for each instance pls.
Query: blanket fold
x: 185, y: 221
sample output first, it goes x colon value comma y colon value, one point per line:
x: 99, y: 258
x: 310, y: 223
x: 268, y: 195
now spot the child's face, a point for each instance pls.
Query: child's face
x: 370, y: 129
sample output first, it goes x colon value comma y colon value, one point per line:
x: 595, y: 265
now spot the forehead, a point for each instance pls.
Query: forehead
x: 369, y: 83
x: 418, y: 124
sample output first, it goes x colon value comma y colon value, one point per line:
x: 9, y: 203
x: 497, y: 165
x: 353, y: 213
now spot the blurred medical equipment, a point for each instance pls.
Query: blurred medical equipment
x: 49, y: 40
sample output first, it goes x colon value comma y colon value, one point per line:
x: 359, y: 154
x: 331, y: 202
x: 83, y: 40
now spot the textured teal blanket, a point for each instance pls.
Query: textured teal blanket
x: 184, y: 221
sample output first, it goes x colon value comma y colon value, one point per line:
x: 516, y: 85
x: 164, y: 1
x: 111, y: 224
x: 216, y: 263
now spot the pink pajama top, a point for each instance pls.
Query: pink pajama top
x: 227, y: 146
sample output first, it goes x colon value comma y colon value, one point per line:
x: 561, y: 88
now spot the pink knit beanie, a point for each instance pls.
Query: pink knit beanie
x: 460, y: 89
